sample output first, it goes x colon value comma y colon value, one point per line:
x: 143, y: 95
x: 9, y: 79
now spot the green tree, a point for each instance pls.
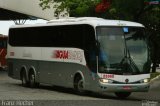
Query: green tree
x: 76, y: 8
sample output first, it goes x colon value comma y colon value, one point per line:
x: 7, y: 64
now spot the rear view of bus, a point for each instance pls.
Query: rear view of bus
x: 123, y: 61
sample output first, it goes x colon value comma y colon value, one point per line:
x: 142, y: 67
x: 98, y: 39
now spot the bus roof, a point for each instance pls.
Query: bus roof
x: 84, y: 20
x: 96, y: 22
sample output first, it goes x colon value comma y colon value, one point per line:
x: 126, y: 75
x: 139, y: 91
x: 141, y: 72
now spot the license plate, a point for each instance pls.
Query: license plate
x: 127, y: 87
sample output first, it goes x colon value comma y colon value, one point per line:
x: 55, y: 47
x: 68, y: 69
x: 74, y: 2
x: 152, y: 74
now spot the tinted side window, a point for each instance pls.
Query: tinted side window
x: 77, y: 36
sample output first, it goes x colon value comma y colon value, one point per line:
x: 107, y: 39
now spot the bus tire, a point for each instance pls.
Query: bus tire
x: 123, y: 94
x: 32, y: 82
x: 79, y: 85
x: 25, y: 83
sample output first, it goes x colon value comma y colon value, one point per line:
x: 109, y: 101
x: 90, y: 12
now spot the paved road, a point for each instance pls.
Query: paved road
x: 11, y: 91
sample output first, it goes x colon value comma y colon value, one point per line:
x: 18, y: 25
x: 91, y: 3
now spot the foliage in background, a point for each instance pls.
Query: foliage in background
x: 76, y: 8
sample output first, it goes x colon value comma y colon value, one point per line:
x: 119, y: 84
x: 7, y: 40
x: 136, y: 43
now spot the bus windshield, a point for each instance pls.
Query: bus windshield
x: 122, y: 50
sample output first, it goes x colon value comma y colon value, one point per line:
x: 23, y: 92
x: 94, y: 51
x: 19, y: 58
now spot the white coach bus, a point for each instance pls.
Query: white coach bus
x: 87, y: 54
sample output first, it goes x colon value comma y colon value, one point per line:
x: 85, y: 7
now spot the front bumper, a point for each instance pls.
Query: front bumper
x: 144, y: 87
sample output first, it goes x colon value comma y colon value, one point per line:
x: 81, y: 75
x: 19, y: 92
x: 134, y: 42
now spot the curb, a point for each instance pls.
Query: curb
x: 156, y: 78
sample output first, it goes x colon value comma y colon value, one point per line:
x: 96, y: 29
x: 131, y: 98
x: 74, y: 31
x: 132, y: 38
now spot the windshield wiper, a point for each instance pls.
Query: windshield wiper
x: 127, y: 63
x: 133, y: 64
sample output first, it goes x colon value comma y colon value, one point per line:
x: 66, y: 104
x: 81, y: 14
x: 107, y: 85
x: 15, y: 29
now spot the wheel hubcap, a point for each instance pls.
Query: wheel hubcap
x: 32, y: 78
x: 23, y: 80
x: 80, y: 85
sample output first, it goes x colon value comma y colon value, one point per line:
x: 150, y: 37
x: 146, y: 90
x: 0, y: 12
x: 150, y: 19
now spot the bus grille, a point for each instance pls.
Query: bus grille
x: 116, y: 82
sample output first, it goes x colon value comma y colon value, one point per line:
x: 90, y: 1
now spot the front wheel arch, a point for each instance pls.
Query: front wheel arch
x: 79, y: 84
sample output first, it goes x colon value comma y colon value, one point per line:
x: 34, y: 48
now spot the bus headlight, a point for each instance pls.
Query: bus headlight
x: 102, y: 80
x: 145, y: 80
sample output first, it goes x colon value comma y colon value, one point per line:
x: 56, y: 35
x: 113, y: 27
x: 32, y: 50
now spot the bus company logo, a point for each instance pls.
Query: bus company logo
x: 126, y: 80
x: 68, y: 54
x: 61, y: 54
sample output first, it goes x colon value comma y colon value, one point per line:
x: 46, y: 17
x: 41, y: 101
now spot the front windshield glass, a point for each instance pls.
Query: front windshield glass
x: 122, y: 50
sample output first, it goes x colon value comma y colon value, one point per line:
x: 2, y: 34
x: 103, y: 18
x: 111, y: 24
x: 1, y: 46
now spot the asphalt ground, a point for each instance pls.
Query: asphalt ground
x: 12, y: 93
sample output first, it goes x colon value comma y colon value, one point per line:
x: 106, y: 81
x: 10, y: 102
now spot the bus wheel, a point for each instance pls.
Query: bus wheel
x: 24, y: 79
x: 32, y: 82
x: 123, y: 94
x: 79, y: 85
